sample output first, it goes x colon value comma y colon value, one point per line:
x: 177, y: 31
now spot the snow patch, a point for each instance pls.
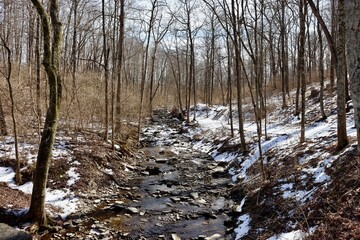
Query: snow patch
x: 294, y: 235
x: 73, y: 176
x: 243, y: 226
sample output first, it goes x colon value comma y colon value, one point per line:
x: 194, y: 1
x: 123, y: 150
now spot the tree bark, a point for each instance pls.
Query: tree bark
x: 332, y: 57
x: 321, y: 68
x: 234, y: 23
x: 3, y: 128
x: 352, y: 11
x: 38, y: 76
x: 341, y: 79
x: 119, y: 68
x: 106, y: 71
x: 52, y: 43
x: 229, y: 83
x: 301, y: 65
x: 338, y: 54
x: 284, y: 63
x: 145, y: 65
x: 7, y: 74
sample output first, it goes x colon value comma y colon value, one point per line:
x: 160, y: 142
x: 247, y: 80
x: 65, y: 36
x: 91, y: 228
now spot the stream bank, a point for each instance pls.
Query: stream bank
x: 170, y: 191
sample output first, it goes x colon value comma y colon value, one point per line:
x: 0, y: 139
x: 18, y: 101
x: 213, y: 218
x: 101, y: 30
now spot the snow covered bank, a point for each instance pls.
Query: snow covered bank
x: 309, y: 161
x: 63, y: 199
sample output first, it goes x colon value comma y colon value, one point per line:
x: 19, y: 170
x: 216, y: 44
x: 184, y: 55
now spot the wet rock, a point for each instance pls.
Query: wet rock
x: 184, y: 198
x: 175, y: 237
x: 218, y: 204
x: 175, y: 199
x: 153, y: 170
x: 183, y: 130
x: 9, y: 233
x: 145, y: 173
x: 129, y: 167
x: 219, y: 172
x: 132, y: 210
x: 172, y: 161
x: 194, y: 195
x: 209, y: 215
x: 175, y: 193
x: 169, y: 204
x: 161, y: 160
x: 201, y: 201
x: 217, y: 169
x: 123, y: 209
x: 77, y: 221
x: 214, y: 237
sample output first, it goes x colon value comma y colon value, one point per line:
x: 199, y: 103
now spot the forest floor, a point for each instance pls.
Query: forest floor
x: 193, y: 182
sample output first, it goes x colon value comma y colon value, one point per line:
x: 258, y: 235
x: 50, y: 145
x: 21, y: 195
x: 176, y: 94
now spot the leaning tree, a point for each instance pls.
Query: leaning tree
x: 51, y: 29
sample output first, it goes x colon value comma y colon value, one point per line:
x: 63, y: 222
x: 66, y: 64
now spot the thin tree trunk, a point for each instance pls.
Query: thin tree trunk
x: 152, y: 73
x: 120, y: 68
x: 38, y: 76
x: 73, y: 50
x: 52, y: 45
x: 257, y: 122
x: 3, y: 128
x: 238, y: 75
x: 7, y: 73
x: 321, y: 69
x: 283, y: 56
x: 301, y: 65
x: 106, y: 71
x: 144, y: 67
x: 332, y: 57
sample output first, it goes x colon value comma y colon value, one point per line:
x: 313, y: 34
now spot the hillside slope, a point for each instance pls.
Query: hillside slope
x: 312, y: 190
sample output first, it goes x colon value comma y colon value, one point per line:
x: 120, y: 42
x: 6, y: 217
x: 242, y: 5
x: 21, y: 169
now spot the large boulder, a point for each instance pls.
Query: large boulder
x: 10, y: 233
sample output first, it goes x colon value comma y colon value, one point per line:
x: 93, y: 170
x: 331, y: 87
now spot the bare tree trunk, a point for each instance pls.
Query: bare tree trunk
x: 52, y: 44
x: 238, y: 74
x: 106, y: 71
x: 332, y: 57
x: 176, y: 72
x: 192, y: 74
x: 229, y: 83
x: 152, y: 73
x: 284, y: 74
x: 341, y: 79
x: 3, y: 128
x: 73, y: 50
x: 321, y: 69
x: 352, y: 11
x: 158, y: 35
x: 257, y: 122
x: 7, y: 74
x: 338, y: 54
x: 38, y: 76
x: 145, y: 65
x: 301, y: 65
x: 120, y: 50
